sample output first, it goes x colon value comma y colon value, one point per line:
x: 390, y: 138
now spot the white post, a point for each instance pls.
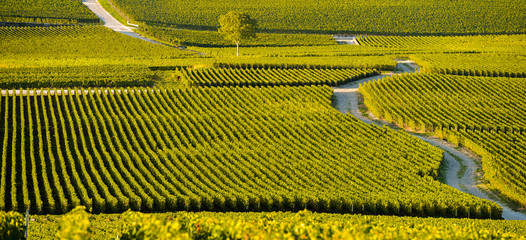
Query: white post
x: 27, y: 222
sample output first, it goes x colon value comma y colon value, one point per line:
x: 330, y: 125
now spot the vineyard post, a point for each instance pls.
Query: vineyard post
x: 27, y: 222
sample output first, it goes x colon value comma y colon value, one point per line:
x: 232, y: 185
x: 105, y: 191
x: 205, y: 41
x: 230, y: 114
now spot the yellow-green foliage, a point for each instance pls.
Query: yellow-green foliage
x: 484, y: 114
x: 302, y: 225
x: 373, y: 16
x: 58, y: 43
x: 273, y: 76
x: 46, y: 11
x: 75, y: 225
x: 492, y: 64
x: 460, y: 102
x: 214, y: 39
x: 503, y: 156
x: 134, y: 225
x: 217, y: 149
x: 88, y: 56
x: 11, y: 225
x: 484, y: 55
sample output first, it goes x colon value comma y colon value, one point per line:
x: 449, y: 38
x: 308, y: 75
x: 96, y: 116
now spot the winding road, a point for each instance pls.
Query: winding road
x: 112, y: 23
x: 461, y: 165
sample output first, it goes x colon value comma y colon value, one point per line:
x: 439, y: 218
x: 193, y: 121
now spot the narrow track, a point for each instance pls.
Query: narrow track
x: 461, y: 165
x: 112, y: 23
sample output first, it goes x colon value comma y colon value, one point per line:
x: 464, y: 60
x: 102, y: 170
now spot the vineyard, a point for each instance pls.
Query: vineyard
x: 492, y: 65
x: 476, y: 43
x: 220, y: 149
x: 276, y: 225
x: 408, y: 17
x: 486, y: 115
x: 93, y: 56
x: 85, y: 76
x: 503, y: 158
x: 106, y: 136
x: 487, y: 103
x: 214, y: 39
x: 272, y: 76
x: 79, y: 56
x: 47, y: 11
x: 487, y: 55
x: 95, y: 43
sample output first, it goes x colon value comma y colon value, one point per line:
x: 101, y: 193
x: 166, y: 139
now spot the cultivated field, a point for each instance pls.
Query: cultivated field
x: 46, y: 11
x: 485, y: 115
x: 104, y: 135
x: 374, y: 17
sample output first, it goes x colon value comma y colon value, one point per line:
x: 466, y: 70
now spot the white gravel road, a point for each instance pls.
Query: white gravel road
x: 346, y: 101
x: 112, y: 23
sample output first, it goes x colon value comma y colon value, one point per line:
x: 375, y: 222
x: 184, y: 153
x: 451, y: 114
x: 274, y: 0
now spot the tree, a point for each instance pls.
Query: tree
x: 236, y: 26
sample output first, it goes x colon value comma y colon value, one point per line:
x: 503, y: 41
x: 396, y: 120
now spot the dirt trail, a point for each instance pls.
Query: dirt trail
x: 461, y: 165
x: 112, y: 23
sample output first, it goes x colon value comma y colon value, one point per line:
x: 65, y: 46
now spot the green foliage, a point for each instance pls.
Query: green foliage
x: 481, y: 113
x: 503, y: 157
x: 75, y: 225
x: 491, y: 65
x: 136, y: 225
x: 46, y: 11
x: 363, y: 62
x: 108, y: 226
x: 272, y: 76
x: 449, y: 44
x: 88, y: 56
x: 81, y: 76
x: 11, y: 225
x: 214, y: 39
x: 456, y: 101
x: 78, y: 42
x: 236, y: 26
x: 375, y: 16
x: 486, y: 55
x: 301, y: 225
x: 217, y: 149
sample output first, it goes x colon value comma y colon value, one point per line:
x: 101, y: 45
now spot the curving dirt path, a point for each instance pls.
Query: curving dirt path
x: 462, y: 166
x: 112, y: 23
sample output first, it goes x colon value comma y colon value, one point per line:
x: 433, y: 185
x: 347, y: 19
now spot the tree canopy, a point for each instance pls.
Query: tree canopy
x: 237, y: 26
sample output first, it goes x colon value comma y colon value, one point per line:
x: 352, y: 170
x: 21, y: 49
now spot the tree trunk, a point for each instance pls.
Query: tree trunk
x: 237, y: 44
